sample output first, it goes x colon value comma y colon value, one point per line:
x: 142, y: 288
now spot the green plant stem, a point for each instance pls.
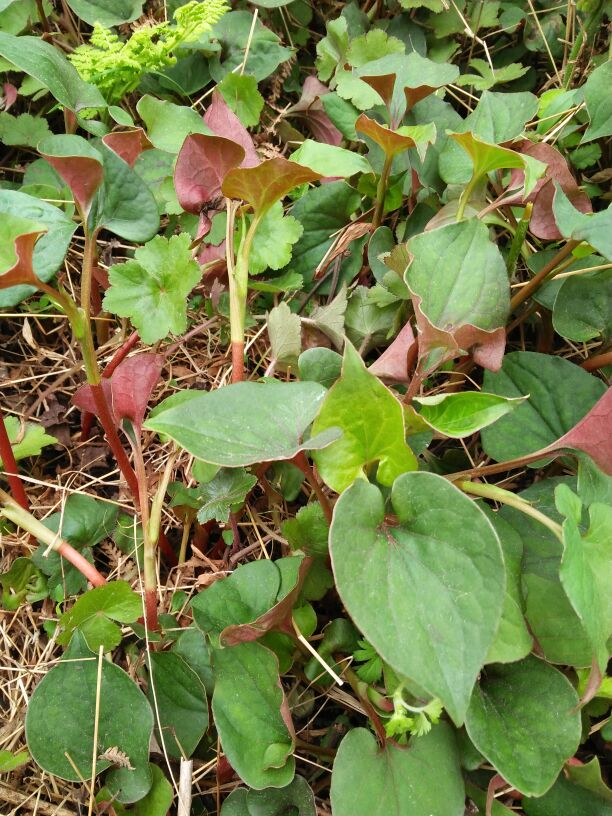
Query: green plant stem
x: 11, y: 470
x: 148, y: 546
x: 534, y: 284
x: 381, y: 192
x: 518, y: 240
x: 89, y: 258
x: 22, y: 518
x: 502, y: 496
x: 238, y: 290
x: 465, y: 196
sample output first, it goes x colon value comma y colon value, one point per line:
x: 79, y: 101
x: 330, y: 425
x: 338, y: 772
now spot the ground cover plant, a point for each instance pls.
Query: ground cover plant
x: 305, y: 417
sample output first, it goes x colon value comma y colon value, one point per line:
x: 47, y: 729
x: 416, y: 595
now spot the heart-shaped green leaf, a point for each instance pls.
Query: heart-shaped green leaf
x: 94, y: 612
x: 247, y: 705
x: 61, y: 717
x: 529, y: 704
x: 245, y: 423
x: 438, y: 573
x: 420, y: 780
x: 375, y: 434
x: 461, y: 414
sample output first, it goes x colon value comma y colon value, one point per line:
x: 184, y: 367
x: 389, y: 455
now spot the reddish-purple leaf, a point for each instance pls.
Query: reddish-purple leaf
x: 132, y: 384
x: 128, y: 144
x: 202, y: 164
x: 311, y: 109
x: 267, y: 183
x: 78, y: 163
x: 394, y: 363
x: 542, y: 223
x: 222, y: 120
x: 9, y: 95
x: 23, y: 234
x: 84, y: 400
x: 592, y: 435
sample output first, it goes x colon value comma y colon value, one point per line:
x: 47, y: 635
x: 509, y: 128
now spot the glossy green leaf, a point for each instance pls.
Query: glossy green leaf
x: 180, y: 699
x: 420, y: 780
x: 296, y: 798
x: 49, y: 66
x: 247, y: 705
x: 253, y: 599
x: 107, y: 13
x: 320, y: 365
x: 329, y: 160
x: 268, y: 182
x: 60, y: 719
x: 152, y: 288
x: 375, y: 434
x: 193, y: 647
x: 245, y: 423
x: 586, y: 569
x: 50, y: 249
x: 168, y: 124
x: 461, y: 414
x: 530, y: 704
x: 94, y: 612
x: 448, y: 614
x: 559, y: 394
x: 459, y: 281
x: 567, y: 799
x: 241, y: 94
x: 594, y: 228
x: 598, y: 104
x: 583, y: 307
x: 28, y: 439
x: 124, y: 205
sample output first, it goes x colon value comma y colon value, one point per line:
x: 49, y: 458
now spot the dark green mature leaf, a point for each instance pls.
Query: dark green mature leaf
x: 223, y: 494
x: 559, y: 395
x: 124, y: 204
x: 245, y: 423
x: 50, y: 67
x: 236, y: 32
x: 61, y: 716
x: 459, y: 415
x: 94, y: 612
x: 248, y: 706
x: 420, y: 780
x: 320, y: 365
x: 375, y: 434
x: 152, y: 288
x: 106, y: 12
x: 529, y: 704
x: 598, y: 104
x: 180, y: 698
x: 554, y: 623
x: 50, y: 248
x: 582, y: 309
x: 460, y: 287
x: 448, y: 614
x: 296, y: 799
x: 594, y: 228
x: 253, y: 599
x: 567, y: 799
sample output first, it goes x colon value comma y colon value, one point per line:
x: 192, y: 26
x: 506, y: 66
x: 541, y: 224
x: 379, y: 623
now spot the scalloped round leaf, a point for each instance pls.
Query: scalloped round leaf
x: 530, y: 704
x: 244, y: 423
x: 61, y: 715
x: 438, y: 572
x: 249, y: 707
x: 420, y: 780
x: 559, y: 394
x: 93, y: 612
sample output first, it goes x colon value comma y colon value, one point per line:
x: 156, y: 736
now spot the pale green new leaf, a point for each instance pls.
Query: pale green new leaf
x: 458, y: 415
x: 273, y: 242
x: 28, y: 440
x: 488, y: 78
x: 24, y: 130
x: 241, y: 94
x: 152, y: 289
x: 373, y: 433
x: 329, y: 160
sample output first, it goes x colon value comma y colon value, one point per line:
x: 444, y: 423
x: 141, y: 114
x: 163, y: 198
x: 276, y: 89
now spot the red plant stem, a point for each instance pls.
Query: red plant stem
x: 118, y: 357
x: 10, y: 467
x: 112, y: 437
x: 301, y: 462
x: 599, y: 361
x: 537, y: 281
x: 81, y: 563
x: 237, y: 361
x: 150, y: 600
